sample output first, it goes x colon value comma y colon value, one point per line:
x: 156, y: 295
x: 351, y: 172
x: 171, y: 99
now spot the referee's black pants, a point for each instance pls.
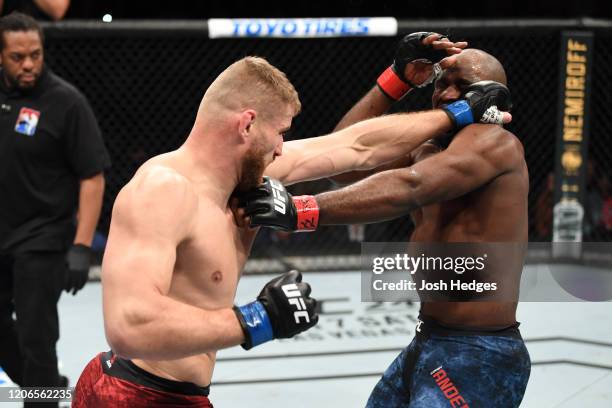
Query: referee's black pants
x: 30, y: 286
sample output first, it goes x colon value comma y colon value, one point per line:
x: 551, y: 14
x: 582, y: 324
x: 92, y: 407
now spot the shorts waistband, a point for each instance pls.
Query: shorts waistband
x: 127, y: 370
x: 427, y: 325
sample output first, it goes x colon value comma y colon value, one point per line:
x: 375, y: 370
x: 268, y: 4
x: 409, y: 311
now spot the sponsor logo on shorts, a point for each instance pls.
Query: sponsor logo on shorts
x: 418, y: 326
x: 450, y: 391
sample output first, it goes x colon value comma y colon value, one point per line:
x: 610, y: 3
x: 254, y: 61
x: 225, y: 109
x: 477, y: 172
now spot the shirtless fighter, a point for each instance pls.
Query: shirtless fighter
x: 175, y: 253
x: 470, y: 187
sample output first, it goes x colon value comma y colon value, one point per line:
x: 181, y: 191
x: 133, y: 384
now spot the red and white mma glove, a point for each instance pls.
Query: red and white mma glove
x: 270, y: 205
x: 392, y: 82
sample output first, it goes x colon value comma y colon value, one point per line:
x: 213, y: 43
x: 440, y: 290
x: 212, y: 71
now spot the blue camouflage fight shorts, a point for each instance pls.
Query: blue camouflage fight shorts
x: 449, y: 367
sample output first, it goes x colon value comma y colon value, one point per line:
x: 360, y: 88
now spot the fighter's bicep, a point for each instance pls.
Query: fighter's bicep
x: 446, y: 176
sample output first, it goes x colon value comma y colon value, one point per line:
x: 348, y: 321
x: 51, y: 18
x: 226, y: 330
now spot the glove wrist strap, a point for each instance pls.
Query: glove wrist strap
x: 392, y: 85
x: 307, y: 213
x: 255, y: 323
x: 460, y: 113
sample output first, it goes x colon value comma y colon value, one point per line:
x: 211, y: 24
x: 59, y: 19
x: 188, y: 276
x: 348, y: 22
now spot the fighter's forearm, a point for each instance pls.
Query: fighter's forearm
x: 166, y: 329
x: 373, y: 104
x: 91, y: 192
x: 380, y: 140
x: 380, y: 197
x: 362, y: 146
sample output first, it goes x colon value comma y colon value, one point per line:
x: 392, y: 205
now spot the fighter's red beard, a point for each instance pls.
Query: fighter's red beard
x: 253, y: 166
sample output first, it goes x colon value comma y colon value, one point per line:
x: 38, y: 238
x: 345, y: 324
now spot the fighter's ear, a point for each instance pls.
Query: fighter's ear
x: 246, y: 120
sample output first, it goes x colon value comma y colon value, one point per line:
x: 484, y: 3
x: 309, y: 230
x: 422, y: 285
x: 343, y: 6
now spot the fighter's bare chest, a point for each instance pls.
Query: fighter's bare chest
x: 213, y: 256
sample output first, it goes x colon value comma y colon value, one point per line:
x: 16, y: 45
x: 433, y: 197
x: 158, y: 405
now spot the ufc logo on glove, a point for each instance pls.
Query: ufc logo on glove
x: 278, y: 190
x: 283, y: 309
x: 295, y: 298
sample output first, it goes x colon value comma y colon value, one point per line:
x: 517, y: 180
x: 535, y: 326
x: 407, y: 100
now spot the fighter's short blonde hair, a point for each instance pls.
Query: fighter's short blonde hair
x: 252, y: 82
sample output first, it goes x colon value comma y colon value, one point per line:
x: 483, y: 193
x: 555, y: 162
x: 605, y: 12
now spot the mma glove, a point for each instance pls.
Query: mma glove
x: 283, y: 309
x: 392, y: 82
x: 270, y: 205
x: 482, y: 102
x: 78, y: 261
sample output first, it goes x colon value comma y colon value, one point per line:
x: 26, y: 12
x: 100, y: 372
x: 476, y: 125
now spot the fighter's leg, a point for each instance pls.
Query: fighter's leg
x: 393, y: 389
x: 475, y: 371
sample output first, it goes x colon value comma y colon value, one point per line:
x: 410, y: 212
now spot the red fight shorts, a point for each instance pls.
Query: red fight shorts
x: 109, y: 381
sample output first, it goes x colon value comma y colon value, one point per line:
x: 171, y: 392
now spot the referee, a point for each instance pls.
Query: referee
x: 52, y: 159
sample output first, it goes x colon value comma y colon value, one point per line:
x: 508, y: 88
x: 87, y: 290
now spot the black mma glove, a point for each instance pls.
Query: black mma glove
x: 270, y: 205
x: 482, y: 102
x: 77, y: 271
x: 283, y: 309
x: 392, y: 81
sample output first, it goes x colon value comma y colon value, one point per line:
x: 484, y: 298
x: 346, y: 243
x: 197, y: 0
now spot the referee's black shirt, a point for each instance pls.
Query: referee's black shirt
x: 49, y: 140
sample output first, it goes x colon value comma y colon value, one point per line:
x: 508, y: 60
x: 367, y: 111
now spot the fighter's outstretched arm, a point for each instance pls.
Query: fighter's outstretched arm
x: 152, y: 215
x: 362, y: 146
x: 373, y: 142
x: 476, y: 156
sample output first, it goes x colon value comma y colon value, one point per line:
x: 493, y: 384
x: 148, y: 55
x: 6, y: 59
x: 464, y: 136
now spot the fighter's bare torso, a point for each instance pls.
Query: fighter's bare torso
x: 495, y: 212
x: 208, y: 265
x: 196, y: 261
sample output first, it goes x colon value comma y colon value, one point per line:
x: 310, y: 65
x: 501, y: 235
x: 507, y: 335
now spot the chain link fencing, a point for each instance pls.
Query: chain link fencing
x: 145, y: 86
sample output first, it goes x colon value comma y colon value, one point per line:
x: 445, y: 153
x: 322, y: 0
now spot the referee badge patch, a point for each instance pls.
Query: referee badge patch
x: 27, y: 121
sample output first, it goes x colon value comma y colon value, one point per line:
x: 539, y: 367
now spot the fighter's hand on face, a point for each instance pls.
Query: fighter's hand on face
x: 421, y: 72
x: 283, y: 309
x: 418, y: 58
x: 483, y: 102
x: 441, y: 42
